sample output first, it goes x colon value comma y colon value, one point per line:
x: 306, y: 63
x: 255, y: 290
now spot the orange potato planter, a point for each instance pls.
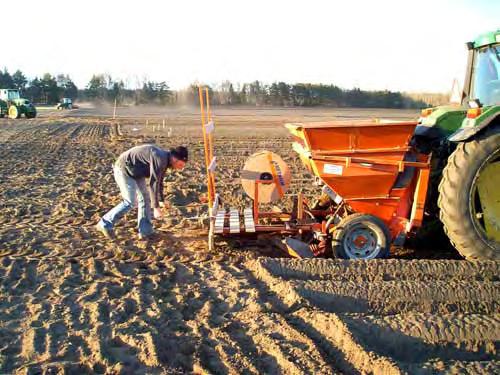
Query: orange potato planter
x: 371, y: 165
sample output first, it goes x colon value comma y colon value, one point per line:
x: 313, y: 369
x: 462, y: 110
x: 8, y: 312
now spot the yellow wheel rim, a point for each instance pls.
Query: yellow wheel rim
x: 13, y: 112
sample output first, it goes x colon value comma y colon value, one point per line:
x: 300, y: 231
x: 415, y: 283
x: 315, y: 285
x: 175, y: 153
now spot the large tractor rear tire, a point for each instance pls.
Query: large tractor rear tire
x: 360, y: 236
x: 30, y: 114
x: 14, y: 112
x: 469, y: 197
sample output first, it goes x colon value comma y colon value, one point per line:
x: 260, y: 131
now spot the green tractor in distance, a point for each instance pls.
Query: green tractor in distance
x: 65, y: 103
x: 14, y: 106
x: 465, y: 142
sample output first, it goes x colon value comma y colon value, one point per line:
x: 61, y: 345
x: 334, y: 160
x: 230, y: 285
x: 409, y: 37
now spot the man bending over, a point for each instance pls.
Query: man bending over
x: 139, y: 174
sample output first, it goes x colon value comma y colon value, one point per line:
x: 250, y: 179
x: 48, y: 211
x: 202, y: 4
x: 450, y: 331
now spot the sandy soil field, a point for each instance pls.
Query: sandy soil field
x: 74, y: 303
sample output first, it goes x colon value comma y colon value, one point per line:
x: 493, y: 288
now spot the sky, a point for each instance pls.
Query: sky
x: 416, y: 46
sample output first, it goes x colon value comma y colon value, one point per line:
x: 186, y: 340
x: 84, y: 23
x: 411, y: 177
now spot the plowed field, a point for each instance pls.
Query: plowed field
x: 73, y: 302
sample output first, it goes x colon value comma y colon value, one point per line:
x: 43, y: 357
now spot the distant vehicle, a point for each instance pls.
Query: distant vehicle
x: 65, y: 103
x: 14, y: 106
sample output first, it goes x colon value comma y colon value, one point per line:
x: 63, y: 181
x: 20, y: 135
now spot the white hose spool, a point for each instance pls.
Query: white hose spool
x: 267, y: 166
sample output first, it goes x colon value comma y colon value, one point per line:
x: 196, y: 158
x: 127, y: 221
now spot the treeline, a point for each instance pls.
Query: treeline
x: 50, y: 89
x: 103, y: 87
x: 301, y: 95
x: 46, y: 89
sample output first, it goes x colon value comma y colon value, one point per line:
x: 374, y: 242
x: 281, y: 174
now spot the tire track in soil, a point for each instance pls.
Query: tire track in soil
x: 425, y: 326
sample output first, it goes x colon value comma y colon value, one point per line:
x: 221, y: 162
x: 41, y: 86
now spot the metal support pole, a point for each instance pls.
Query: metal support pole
x: 205, y: 144
x: 256, y: 203
x: 210, y: 145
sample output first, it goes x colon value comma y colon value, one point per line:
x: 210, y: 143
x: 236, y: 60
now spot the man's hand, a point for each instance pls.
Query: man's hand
x: 157, y: 213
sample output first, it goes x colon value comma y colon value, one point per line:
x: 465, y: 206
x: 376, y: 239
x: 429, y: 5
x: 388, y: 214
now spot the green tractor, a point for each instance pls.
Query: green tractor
x: 14, y: 106
x: 65, y: 103
x: 465, y: 143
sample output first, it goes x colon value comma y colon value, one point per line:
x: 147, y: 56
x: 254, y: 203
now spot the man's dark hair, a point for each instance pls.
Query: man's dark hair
x: 180, y: 152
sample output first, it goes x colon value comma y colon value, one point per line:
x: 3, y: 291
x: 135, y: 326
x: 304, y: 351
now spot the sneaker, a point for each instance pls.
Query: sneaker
x: 108, y: 233
x: 144, y: 236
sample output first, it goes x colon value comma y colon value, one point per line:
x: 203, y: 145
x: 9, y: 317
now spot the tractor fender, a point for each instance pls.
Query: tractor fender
x: 465, y: 133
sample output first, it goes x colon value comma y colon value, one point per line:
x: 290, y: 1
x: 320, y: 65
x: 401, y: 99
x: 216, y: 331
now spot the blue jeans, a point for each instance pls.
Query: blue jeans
x: 134, y: 193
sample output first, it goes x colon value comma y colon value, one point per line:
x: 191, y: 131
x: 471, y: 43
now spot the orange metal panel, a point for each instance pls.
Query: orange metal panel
x: 417, y: 214
x: 348, y: 123
x: 354, y: 137
x: 356, y: 181
x: 382, y: 208
x: 357, y: 159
